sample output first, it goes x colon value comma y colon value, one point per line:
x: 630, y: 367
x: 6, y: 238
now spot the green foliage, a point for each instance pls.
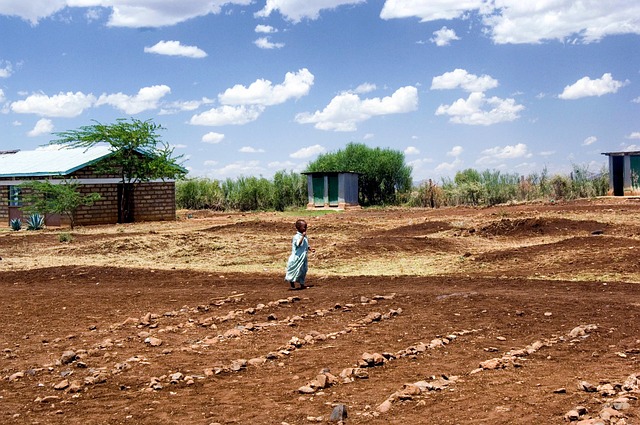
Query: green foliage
x: 470, y: 187
x: 65, y: 237
x: 286, y: 190
x: 45, y: 197
x: 15, y: 224
x: 200, y: 194
x: 139, y: 154
x: 384, y: 176
x: 35, y: 222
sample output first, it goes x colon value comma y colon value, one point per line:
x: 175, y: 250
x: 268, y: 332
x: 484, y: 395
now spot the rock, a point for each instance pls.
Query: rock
x: 75, y: 387
x: 16, y: 376
x: 67, y: 357
x: 560, y: 391
x: 586, y: 386
x: 258, y: 361
x: 306, y: 389
x: 384, y: 407
x: 577, y: 331
x: 238, y: 365
x: 572, y: 415
x: 339, y: 413
x: 491, y: 364
x: 621, y: 403
x: 608, y: 413
x: 153, y: 341
x: 62, y: 385
x: 606, y: 390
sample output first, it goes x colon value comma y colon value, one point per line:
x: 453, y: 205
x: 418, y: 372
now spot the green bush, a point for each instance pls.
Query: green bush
x: 35, y: 222
x: 65, y: 237
x: 16, y: 224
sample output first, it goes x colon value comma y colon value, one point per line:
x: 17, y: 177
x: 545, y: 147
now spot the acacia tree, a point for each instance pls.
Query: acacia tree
x: 383, y: 174
x: 138, y: 155
x: 44, y: 197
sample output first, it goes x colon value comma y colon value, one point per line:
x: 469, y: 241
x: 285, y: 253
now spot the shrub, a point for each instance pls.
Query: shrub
x: 35, y: 222
x: 65, y: 237
x: 16, y: 224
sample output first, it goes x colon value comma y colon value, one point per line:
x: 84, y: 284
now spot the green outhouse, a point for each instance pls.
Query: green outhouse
x: 334, y: 189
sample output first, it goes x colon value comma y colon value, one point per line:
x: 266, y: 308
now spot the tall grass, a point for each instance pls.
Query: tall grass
x: 286, y: 190
x: 469, y: 187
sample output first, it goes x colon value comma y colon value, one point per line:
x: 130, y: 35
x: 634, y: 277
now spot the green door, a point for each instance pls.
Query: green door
x: 333, y: 191
x: 318, y: 191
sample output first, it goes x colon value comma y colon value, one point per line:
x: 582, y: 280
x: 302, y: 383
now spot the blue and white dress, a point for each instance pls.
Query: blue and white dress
x: 297, y: 265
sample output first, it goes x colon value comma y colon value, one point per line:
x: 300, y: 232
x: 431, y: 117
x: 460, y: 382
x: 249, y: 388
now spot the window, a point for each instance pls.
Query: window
x: 15, y: 200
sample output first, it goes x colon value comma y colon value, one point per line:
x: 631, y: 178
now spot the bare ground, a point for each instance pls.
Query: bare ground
x: 449, y: 316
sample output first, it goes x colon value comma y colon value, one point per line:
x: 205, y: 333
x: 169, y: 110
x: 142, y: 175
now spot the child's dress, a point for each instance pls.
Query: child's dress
x: 297, y: 264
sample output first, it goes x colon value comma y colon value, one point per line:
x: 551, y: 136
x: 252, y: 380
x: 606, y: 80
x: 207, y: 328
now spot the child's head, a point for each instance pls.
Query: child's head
x: 301, y: 225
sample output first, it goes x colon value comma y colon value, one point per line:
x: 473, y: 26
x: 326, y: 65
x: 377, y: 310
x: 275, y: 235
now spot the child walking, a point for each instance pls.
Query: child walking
x: 297, y: 265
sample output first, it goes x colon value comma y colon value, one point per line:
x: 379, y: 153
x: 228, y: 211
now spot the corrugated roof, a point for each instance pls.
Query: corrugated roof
x: 49, y: 162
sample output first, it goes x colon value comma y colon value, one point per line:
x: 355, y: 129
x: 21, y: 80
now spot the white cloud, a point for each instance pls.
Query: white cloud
x: 365, y: 88
x: 496, y: 154
x: 124, y: 13
x: 460, y: 78
x: 60, y: 105
x: 368, y: 136
x: 346, y: 110
x: 445, y: 167
x: 2, y: 97
x: 43, y: 126
x: 634, y: 135
x: 296, y: 10
x: 429, y: 10
x: 175, y: 48
x: 636, y: 100
x: 6, y: 69
x: 443, y: 37
x: 517, y: 21
x: 455, y: 151
x: 479, y: 110
x: 265, y: 43
x: 213, y: 137
x: 547, y: 153
x: 239, y: 168
x: 263, y: 92
x: 282, y: 165
x: 586, y: 87
x: 227, y: 115
x: 589, y: 141
x: 249, y: 149
x: 147, y: 98
x: 265, y: 29
x: 411, y: 150
x: 180, y: 106
x: 308, y: 152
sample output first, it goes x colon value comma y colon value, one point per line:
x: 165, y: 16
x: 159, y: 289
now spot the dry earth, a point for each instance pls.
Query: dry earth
x: 507, y: 315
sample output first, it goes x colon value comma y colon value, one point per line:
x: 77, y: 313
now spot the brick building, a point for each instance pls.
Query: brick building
x: 149, y: 201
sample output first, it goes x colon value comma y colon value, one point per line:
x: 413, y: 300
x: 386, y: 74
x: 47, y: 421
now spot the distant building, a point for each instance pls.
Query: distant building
x: 149, y: 201
x: 337, y: 190
x: 624, y: 173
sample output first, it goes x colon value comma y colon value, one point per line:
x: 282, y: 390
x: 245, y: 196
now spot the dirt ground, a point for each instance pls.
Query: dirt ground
x: 523, y: 314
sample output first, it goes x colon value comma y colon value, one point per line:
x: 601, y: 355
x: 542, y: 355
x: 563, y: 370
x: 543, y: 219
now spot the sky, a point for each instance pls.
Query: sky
x: 252, y: 87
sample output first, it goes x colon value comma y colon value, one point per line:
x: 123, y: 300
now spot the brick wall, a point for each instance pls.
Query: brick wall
x: 151, y: 201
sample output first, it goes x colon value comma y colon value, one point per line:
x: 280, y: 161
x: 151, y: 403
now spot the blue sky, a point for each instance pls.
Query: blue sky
x: 251, y: 87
